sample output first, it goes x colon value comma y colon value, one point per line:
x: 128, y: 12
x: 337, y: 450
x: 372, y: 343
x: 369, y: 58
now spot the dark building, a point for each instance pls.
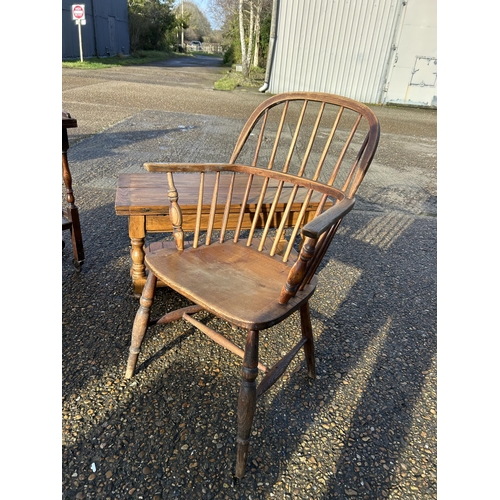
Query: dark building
x: 105, y: 32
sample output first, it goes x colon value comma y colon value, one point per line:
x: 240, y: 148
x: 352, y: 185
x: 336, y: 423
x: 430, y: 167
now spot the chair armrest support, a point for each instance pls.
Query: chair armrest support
x: 327, y: 219
x: 312, y: 231
x: 175, y: 213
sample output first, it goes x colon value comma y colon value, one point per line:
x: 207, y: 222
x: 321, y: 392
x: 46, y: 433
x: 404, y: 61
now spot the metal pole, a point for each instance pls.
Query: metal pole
x: 270, y: 49
x: 79, y: 22
x: 182, y: 27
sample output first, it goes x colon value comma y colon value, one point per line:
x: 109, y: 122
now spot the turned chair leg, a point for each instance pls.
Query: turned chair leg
x: 305, y: 322
x: 247, y: 400
x: 141, y: 323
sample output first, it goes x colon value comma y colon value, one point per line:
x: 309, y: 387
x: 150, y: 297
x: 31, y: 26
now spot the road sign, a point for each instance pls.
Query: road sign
x: 78, y: 12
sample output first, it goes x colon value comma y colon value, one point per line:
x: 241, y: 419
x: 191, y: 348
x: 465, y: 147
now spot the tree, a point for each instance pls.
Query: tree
x: 258, y: 10
x: 198, y: 26
x: 223, y: 11
x: 246, y: 50
x: 150, y: 22
x: 247, y: 17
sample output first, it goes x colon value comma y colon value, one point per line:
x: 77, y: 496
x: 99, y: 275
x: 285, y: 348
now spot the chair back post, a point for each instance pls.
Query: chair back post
x: 365, y: 157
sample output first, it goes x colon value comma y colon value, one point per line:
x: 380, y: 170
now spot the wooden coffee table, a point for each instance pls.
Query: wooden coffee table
x: 143, y: 198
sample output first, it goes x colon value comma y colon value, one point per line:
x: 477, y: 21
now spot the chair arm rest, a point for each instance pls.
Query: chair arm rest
x: 328, y: 218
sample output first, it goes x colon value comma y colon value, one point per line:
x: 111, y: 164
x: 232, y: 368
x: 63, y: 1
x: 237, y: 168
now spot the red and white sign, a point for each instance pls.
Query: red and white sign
x: 78, y: 12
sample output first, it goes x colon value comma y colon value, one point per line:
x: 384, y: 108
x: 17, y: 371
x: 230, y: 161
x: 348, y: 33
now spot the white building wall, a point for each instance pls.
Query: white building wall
x: 350, y: 48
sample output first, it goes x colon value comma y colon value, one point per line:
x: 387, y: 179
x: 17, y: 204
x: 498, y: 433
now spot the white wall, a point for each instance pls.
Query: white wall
x: 363, y: 49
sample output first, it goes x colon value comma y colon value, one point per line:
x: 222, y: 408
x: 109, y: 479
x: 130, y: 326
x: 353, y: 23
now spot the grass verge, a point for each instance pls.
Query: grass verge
x: 141, y: 57
x: 233, y: 79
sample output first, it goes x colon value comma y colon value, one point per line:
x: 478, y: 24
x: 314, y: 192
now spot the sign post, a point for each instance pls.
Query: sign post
x: 78, y: 15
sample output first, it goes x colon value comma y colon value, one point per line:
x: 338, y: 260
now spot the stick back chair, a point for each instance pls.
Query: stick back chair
x: 253, y: 256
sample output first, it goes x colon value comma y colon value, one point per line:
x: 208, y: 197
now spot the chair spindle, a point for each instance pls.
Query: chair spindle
x: 288, y: 160
x: 278, y: 136
x: 243, y: 208
x: 328, y: 143
x: 198, y: 211
x: 311, y: 140
x: 227, y: 208
x: 213, y: 207
x: 270, y: 215
x: 261, y: 137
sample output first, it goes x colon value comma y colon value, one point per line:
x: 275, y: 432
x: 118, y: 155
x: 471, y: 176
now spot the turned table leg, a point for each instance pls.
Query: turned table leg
x: 71, y: 211
x: 137, y: 234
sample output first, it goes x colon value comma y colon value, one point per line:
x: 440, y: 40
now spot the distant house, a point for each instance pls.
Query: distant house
x: 105, y: 32
x: 375, y: 52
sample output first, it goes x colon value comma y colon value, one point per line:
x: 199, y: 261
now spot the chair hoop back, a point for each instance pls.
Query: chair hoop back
x: 325, y: 137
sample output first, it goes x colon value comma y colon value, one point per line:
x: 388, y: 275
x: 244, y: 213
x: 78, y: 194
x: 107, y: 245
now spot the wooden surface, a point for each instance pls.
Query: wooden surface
x: 143, y: 197
x: 192, y: 271
x: 148, y: 193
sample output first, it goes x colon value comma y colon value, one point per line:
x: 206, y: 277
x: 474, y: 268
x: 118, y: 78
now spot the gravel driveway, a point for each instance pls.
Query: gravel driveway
x: 366, y: 428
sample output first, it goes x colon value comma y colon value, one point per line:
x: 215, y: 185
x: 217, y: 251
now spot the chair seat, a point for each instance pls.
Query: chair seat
x: 233, y: 281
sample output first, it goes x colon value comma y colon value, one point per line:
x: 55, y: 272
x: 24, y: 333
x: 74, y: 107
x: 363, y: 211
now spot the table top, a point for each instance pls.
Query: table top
x: 147, y: 193
x: 68, y: 121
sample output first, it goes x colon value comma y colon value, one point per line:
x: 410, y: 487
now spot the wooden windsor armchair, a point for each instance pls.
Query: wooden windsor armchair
x: 253, y: 255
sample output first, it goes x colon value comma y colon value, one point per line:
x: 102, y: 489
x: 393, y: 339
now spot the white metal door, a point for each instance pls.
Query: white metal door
x: 412, y: 77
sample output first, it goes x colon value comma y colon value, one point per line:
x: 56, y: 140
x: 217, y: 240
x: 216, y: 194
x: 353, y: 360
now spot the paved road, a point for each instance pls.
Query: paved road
x: 101, y: 98
x: 365, y: 429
